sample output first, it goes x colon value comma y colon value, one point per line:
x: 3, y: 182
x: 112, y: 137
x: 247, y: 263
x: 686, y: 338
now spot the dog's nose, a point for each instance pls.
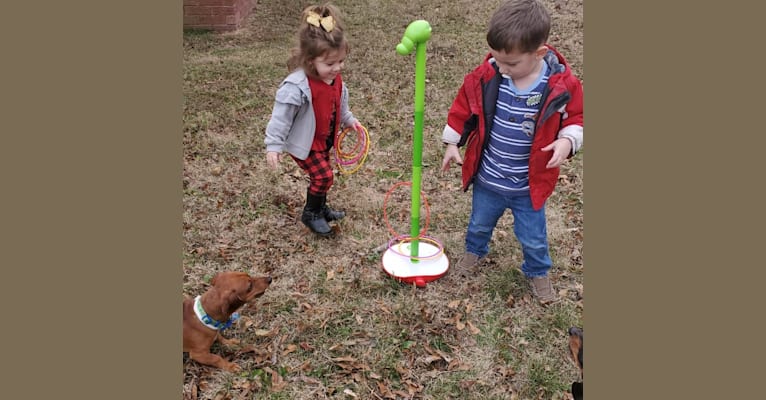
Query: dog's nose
x: 268, y: 279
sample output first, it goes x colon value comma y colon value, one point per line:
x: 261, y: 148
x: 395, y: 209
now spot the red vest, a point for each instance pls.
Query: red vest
x: 325, y: 100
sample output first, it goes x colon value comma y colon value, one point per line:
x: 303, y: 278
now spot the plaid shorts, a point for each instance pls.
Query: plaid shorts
x: 317, y: 166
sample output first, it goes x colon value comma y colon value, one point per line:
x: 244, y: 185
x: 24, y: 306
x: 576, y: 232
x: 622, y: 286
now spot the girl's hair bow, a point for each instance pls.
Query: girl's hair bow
x: 327, y: 23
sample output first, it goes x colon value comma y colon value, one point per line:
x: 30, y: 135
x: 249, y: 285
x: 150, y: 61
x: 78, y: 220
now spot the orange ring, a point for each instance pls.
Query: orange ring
x: 425, y: 202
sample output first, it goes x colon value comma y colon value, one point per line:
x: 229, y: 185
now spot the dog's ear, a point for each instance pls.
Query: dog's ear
x: 228, y: 307
x: 234, y: 300
x: 212, y: 281
x: 576, y: 345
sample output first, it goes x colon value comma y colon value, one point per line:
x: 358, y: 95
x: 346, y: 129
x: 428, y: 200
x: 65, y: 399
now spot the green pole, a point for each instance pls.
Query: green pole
x: 415, y: 36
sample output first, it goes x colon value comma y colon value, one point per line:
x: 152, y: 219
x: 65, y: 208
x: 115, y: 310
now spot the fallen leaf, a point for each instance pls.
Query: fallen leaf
x: 430, y: 359
x: 467, y: 384
x: 277, y: 382
x: 306, y: 346
x: 308, y: 379
x: 289, y: 349
x: 456, y: 321
x: 385, y: 391
x: 456, y: 365
x: 350, y: 393
x: 266, y: 332
x: 241, y: 384
x: 305, y: 367
x: 444, y: 355
x: 474, y: 330
x: 453, y: 304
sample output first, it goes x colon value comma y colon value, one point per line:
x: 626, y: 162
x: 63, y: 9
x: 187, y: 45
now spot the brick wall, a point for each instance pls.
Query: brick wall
x: 218, y: 15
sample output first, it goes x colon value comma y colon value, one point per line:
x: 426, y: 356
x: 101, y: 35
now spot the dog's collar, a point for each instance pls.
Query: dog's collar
x: 210, y: 322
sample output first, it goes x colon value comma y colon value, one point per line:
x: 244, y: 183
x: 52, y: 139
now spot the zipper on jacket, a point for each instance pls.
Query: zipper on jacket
x: 486, y: 138
x: 488, y: 117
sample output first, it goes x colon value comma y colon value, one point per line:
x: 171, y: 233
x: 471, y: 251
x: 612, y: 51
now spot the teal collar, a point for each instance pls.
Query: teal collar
x: 210, y: 322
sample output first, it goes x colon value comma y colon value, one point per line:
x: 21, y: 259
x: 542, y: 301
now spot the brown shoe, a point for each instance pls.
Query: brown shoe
x: 469, y: 260
x: 542, y: 289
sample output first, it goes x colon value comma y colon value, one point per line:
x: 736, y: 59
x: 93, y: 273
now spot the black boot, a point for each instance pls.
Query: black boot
x: 329, y: 213
x: 312, y: 215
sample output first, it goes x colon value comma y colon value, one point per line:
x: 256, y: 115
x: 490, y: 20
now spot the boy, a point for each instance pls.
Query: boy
x: 520, y: 116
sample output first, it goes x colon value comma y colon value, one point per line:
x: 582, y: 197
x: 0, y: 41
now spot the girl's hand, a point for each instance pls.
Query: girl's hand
x: 562, y: 148
x: 273, y: 158
x: 358, y: 127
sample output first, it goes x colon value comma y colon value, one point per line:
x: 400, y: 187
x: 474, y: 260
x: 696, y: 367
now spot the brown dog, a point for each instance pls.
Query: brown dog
x: 575, y: 351
x: 208, y: 314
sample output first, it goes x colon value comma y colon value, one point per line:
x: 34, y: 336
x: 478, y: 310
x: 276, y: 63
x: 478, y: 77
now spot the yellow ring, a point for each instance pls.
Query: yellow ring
x: 423, y: 239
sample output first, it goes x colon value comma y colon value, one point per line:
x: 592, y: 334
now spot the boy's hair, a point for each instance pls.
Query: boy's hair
x: 315, y: 41
x: 522, y: 25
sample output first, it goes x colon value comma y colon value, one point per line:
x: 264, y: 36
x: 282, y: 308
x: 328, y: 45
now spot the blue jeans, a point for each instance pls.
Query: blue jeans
x: 528, y: 226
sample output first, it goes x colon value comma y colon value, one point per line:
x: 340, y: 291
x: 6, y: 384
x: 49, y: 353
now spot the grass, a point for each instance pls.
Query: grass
x: 333, y: 325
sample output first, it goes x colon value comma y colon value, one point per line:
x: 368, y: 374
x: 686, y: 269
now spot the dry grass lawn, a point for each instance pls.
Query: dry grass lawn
x: 333, y: 324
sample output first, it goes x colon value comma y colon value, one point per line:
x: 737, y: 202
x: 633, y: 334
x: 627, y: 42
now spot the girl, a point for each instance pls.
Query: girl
x: 311, y: 106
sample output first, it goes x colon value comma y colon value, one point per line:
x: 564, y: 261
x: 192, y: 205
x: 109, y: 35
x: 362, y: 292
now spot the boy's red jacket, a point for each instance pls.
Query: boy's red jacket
x: 473, y: 110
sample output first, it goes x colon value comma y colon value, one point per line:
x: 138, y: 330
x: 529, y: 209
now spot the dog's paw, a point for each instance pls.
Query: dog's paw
x: 231, y: 367
x: 228, y: 342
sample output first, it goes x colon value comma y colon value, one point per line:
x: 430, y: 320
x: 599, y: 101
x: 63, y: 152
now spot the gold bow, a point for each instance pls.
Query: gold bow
x: 327, y: 23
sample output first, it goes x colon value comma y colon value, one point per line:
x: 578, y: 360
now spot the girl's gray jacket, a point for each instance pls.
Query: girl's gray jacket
x: 292, y: 124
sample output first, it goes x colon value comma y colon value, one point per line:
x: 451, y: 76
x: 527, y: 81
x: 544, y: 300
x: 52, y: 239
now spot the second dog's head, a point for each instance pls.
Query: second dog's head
x: 575, y: 351
x: 234, y: 289
x: 575, y: 345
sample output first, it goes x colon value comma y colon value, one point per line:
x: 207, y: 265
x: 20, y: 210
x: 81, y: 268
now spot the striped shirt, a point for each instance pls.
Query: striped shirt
x: 504, y: 166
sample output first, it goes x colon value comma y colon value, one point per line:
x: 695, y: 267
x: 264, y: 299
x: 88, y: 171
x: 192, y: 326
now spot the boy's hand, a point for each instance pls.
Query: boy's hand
x: 561, y: 149
x: 273, y: 158
x: 451, y: 153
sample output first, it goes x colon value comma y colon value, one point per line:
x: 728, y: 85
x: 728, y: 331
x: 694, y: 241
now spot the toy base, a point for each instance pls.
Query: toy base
x: 419, y: 272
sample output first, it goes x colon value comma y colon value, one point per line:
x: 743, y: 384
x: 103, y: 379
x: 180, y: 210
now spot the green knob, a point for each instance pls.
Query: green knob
x: 417, y: 32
